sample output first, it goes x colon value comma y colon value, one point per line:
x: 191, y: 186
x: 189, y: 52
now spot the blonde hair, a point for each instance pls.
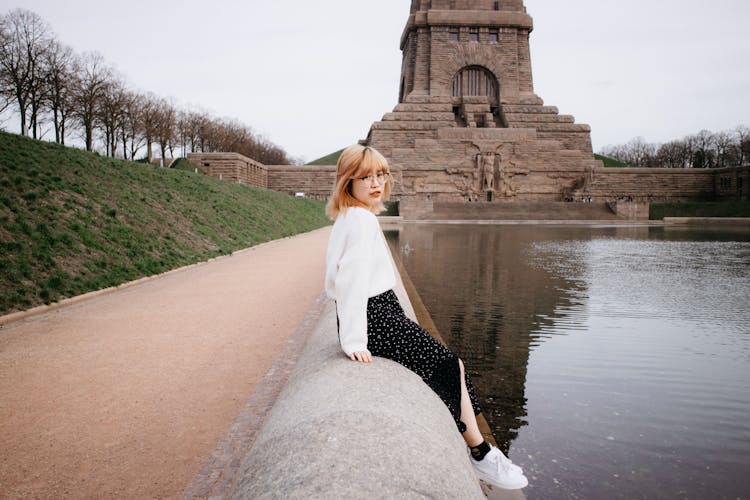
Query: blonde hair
x: 355, y: 161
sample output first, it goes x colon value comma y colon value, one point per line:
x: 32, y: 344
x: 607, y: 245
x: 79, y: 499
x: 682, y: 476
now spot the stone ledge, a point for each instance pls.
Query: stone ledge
x: 530, y: 109
x: 349, y: 430
x: 555, y: 127
x: 423, y: 107
x: 533, y: 118
x: 713, y: 221
x: 475, y: 18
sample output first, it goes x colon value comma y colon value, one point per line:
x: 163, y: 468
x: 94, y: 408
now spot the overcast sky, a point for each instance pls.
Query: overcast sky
x: 312, y: 76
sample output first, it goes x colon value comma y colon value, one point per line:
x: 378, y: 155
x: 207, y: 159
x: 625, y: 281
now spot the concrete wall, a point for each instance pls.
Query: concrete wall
x: 349, y: 430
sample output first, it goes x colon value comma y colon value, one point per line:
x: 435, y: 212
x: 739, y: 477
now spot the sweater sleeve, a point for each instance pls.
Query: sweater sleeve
x: 352, y: 285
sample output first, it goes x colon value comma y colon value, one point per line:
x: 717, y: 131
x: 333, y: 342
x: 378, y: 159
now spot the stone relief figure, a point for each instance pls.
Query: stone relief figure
x: 485, y: 170
x: 508, y: 170
x: 463, y: 182
x: 488, y: 164
x: 479, y: 161
x: 505, y: 186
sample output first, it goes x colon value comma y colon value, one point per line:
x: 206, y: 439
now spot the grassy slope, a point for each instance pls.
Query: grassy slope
x: 184, y: 164
x: 611, y: 162
x: 330, y: 159
x: 72, y: 222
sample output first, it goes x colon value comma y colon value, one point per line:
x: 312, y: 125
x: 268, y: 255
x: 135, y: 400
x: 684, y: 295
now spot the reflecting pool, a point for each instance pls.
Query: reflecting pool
x: 612, y: 361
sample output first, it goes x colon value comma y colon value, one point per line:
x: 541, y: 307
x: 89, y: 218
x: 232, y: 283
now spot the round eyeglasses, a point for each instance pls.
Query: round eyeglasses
x: 382, y: 178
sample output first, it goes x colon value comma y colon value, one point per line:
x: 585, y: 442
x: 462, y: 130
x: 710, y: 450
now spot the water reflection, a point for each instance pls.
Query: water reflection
x: 611, y: 357
x: 492, y: 301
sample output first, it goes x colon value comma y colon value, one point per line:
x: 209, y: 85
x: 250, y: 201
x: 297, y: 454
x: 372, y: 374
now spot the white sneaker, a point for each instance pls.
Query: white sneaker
x: 501, y: 456
x: 497, y: 469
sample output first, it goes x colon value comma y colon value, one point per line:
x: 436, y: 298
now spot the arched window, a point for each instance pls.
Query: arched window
x: 473, y: 81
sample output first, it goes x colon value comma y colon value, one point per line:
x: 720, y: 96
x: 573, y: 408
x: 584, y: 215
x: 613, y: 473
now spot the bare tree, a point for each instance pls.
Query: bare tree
x: 166, y: 126
x: 742, y: 137
x: 271, y: 154
x: 703, y: 149
x: 24, y: 37
x: 149, y: 121
x: 93, y: 77
x: 189, y: 126
x: 132, y: 125
x: 183, y: 130
x: 110, y: 113
x: 723, y: 143
x: 6, y: 81
x: 673, y: 154
x: 196, y: 121
x: 38, y: 90
x: 61, y: 74
x: 211, y: 136
x: 637, y: 153
x: 44, y: 79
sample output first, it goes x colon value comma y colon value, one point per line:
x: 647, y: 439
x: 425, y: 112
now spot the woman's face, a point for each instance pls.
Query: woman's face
x: 369, y: 189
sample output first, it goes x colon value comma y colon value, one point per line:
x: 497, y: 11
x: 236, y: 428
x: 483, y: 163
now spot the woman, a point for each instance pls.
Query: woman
x: 360, y: 277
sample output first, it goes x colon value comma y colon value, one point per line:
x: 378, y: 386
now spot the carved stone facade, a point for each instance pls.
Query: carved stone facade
x: 468, y: 125
x: 620, y: 193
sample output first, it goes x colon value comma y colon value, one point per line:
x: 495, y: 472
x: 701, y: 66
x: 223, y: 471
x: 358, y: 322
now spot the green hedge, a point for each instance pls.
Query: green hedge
x: 658, y: 211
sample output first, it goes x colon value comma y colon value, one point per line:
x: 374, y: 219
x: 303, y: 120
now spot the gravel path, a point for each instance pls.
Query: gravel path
x: 127, y: 394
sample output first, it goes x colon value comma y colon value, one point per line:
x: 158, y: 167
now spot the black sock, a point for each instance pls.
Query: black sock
x: 479, y: 451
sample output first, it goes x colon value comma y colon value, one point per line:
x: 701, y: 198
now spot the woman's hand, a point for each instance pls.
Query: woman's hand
x: 361, y: 356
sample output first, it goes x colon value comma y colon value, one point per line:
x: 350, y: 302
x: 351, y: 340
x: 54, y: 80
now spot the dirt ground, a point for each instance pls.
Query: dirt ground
x: 128, y: 393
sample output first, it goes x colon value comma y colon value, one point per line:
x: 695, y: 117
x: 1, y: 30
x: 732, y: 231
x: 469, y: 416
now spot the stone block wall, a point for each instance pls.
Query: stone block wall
x: 733, y: 183
x: 652, y: 184
x: 530, y: 171
x: 232, y: 167
x: 315, y: 181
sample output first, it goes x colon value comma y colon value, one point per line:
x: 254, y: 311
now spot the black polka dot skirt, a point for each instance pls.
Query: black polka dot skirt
x: 391, y: 334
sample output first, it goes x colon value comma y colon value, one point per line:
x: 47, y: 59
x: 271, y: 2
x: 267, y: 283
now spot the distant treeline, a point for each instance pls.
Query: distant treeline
x: 49, y: 87
x: 702, y: 150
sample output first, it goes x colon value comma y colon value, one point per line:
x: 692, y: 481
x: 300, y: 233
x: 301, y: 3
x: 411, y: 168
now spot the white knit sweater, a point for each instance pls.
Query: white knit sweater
x: 358, y: 266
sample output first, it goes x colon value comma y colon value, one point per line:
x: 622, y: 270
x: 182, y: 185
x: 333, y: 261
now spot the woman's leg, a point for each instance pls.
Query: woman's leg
x: 472, y: 436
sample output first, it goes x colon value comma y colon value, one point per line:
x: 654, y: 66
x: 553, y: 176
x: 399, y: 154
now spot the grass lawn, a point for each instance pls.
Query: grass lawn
x: 72, y: 221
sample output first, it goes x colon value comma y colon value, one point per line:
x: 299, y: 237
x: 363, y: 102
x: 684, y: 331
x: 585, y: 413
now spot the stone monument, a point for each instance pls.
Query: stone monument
x: 468, y: 126
x: 469, y: 138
